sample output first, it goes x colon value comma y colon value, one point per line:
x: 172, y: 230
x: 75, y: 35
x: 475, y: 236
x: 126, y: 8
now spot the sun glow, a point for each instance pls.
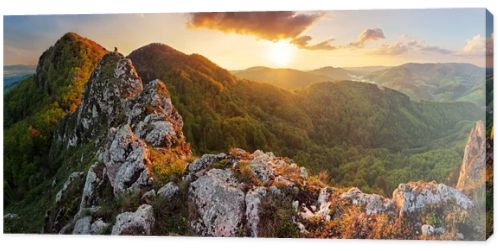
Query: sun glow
x: 281, y: 53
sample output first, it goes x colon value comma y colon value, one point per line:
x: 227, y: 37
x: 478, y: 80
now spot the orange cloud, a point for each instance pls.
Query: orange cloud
x: 368, y: 35
x: 266, y: 25
x: 303, y: 43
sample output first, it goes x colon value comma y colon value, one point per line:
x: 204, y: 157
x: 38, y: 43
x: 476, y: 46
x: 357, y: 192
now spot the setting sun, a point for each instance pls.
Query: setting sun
x: 281, y: 53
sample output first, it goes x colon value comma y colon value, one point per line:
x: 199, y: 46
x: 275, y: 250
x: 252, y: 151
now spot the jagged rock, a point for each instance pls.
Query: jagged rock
x: 261, y: 166
x: 205, y: 161
x: 372, y: 203
x: 218, y: 202
x: 168, y: 191
x: 95, y: 184
x: 66, y: 205
x: 115, y: 96
x: 113, y: 82
x: 253, y: 199
x: 82, y: 225
x: 124, y: 119
x: 162, y: 124
x: 473, y: 168
x: 72, y: 184
x: 125, y: 158
x: 139, y: 222
x: 85, y: 225
x: 99, y: 227
x: 414, y: 197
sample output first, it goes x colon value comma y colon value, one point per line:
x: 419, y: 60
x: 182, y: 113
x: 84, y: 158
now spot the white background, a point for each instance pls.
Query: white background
x: 54, y: 242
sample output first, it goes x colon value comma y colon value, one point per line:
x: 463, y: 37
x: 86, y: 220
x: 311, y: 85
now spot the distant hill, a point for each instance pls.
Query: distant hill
x: 18, y: 69
x: 366, y: 69
x: 13, y: 74
x: 281, y: 77
x: 333, y: 73
x: 438, y: 82
x: 291, y: 79
x: 430, y: 81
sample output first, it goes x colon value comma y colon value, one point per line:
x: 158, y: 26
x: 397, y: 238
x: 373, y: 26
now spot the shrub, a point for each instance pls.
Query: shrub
x: 166, y: 167
x: 276, y: 218
x: 171, y: 216
x: 244, y: 174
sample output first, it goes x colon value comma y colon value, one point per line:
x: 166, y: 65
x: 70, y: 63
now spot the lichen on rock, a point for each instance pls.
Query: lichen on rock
x: 219, y: 204
x: 415, y: 197
x: 139, y: 222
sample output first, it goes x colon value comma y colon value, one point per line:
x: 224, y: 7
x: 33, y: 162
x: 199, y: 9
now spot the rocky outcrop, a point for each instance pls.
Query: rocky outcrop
x: 372, y: 203
x: 139, y: 222
x: 71, y: 186
x: 125, y: 158
x: 168, y: 191
x: 253, y: 199
x: 473, y: 168
x: 85, y: 225
x: 219, y: 204
x: 415, y: 197
x: 205, y: 161
x: 125, y: 120
x: 228, y: 200
x: 65, y: 204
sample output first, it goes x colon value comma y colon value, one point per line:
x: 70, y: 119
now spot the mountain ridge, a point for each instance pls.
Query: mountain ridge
x: 227, y: 194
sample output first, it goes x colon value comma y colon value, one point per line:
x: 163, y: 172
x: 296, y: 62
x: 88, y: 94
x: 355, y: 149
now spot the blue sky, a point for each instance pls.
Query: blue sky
x: 436, y: 35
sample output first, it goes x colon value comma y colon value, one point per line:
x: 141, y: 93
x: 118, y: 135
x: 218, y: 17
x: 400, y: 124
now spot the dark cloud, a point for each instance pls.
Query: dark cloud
x: 368, y: 35
x: 266, y: 25
x: 303, y: 43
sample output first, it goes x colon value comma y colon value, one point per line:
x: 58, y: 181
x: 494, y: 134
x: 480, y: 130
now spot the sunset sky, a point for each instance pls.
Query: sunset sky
x: 302, y: 40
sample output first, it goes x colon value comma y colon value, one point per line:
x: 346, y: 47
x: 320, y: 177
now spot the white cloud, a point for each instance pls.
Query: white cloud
x: 407, y: 43
x: 478, y: 46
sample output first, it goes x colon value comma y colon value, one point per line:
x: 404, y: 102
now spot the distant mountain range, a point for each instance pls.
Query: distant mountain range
x: 13, y: 74
x: 439, y: 82
x: 431, y: 81
x: 291, y: 78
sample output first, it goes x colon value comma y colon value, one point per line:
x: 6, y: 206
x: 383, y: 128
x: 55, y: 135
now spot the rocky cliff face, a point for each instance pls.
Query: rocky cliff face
x: 476, y: 179
x: 473, y: 169
x: 143, y: 180
x: 129, y: 122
